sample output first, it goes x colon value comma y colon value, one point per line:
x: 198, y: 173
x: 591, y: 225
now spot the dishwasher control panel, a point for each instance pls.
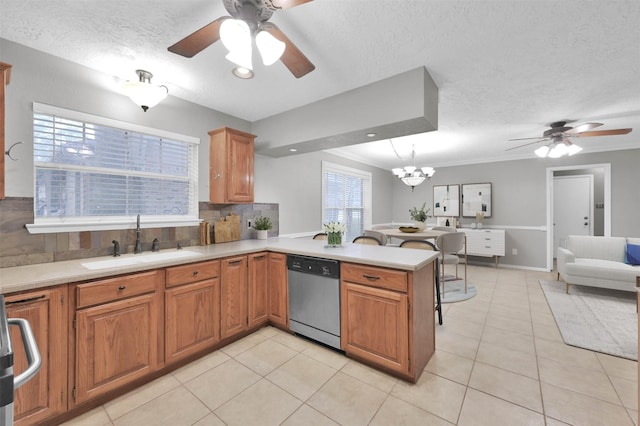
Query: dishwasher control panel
x: 314, y: 266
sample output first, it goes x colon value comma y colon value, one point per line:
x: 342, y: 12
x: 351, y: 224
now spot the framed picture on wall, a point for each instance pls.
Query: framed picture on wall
x: 476, y: 197
x: 446, y: 200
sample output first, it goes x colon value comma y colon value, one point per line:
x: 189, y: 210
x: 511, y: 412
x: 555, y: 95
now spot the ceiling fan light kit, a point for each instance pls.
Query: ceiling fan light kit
x: 143, y: 93
x: 248, y: 21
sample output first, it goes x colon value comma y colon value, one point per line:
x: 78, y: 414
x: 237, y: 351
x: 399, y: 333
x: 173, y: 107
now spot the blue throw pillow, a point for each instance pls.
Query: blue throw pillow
x: 633, y: 254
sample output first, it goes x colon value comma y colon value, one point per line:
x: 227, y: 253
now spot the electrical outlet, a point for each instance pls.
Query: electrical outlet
x: 514, y: 251
x: 248, y: 223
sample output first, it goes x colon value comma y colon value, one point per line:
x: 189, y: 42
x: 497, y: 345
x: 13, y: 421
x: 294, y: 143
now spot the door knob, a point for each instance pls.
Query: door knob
x: 586, y: 223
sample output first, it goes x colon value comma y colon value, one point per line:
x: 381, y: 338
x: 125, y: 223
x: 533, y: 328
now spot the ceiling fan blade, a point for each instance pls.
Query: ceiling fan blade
x: 526, y: 144
x: 287, y: 4
x: 199, y: 40
x: 292, y: 57
x: 604, y: 132
x: 582, y: 128
x: 525, y: 139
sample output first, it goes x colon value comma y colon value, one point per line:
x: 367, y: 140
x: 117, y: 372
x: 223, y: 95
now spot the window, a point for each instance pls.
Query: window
x: 96, y: 173
x: 346, y: 198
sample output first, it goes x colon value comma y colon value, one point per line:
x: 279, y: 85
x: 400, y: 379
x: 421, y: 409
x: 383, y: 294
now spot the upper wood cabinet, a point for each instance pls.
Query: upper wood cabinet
x: 45, y: 395
x: 5, y: 74
x: 230, y: 166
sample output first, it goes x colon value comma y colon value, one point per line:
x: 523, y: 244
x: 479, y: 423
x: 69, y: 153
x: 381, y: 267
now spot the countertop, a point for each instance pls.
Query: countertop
x: 29, y: 277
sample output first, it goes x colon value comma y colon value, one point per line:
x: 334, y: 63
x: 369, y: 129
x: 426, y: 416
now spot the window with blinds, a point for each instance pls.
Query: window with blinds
x: 90, y: 169
x: 346, y: 198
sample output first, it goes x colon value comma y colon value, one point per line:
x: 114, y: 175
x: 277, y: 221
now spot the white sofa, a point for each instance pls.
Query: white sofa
x: 597, y: 262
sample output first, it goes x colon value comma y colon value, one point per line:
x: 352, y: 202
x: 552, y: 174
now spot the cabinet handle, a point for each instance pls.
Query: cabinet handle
x: 235, y: 262
x: 121, y: 287
x: 262, y: 256
x: 30, y: 299
x: 371, y: 277
x: 195, y: 273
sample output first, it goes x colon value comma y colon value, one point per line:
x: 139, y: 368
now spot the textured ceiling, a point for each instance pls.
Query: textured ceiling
x: 504, y: 69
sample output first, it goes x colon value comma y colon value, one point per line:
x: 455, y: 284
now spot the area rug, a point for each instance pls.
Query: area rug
x: 597, y: 319
x: 454, y: 291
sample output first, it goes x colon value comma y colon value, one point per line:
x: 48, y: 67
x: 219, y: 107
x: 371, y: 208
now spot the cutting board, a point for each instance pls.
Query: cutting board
x: 227, y: 229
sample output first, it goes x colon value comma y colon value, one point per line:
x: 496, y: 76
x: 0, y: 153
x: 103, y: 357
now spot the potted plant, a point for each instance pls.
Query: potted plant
x: 420, y: 216
x: 262, y: 225
x: 334, y: 232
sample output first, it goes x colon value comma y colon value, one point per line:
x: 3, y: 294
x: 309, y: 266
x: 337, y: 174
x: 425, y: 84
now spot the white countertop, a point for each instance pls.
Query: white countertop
x: 19, y: 278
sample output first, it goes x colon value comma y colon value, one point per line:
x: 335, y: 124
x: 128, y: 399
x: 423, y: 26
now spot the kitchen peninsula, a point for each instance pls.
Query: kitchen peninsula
x: 206, y: 297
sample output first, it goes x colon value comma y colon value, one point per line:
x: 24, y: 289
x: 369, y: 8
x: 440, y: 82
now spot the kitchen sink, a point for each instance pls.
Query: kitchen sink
x: 137, y: 259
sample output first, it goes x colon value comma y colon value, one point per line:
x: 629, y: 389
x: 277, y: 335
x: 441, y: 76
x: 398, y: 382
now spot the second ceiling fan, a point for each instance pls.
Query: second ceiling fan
x: 248, y: 21
x: 558, y: 136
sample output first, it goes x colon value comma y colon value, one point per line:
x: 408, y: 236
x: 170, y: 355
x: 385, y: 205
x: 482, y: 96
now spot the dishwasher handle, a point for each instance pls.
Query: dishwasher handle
x: 30, y: 349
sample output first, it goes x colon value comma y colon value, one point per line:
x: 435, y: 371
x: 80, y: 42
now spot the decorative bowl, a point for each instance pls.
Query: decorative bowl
x: 408, y: 229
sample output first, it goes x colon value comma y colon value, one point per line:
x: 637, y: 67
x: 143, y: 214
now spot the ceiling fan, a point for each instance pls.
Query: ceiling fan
x: 558, y: 136
x: 248, y: 21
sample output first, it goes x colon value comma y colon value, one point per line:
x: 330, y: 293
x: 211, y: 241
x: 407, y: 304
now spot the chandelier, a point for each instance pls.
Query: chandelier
x: 558, y: 147
x: 411, y: 175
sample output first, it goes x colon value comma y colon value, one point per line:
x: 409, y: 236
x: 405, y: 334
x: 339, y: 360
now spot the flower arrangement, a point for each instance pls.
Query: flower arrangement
x: 262, y: 224
x: 420, y: 215
x: 334, y: 227
x: 334, y: 232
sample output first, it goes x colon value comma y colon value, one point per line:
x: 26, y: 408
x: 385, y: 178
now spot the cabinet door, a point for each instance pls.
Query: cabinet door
x: 116, y: 343
x: 45, y: 395
x: 258, y: 288
x: 278, y: 300
x: 374, y: 325
x: 230, y: 166
x: 233, y: 296
x: 240, y: 168
x: 192, y: 318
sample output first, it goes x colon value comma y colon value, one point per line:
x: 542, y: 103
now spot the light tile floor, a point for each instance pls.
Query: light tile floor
x: 499, y: 360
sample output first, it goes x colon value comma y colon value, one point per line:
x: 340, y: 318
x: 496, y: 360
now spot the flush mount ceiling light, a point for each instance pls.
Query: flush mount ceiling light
x: 558, y: 147
x: 143, y: 93
x: 411, y: 175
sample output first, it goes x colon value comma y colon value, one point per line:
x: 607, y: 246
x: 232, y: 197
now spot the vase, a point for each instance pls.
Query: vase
x: 263, y: 234
x: 419, y: 225
x: 334, y: 239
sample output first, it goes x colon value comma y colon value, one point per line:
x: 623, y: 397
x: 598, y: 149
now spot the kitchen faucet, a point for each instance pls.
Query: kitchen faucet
x: 138, y: 248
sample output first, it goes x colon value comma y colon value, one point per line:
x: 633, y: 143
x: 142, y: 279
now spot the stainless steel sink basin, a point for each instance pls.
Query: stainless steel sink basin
x: 137, y: 259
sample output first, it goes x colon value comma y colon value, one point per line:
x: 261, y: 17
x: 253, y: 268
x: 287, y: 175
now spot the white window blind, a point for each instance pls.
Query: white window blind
x: 90, y: 169
x: 346, y: 198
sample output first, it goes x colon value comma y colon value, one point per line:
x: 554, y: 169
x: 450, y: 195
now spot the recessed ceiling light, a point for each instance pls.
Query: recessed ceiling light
x: 370, y: 135
x: 292, y: 150
x: 242, y: 72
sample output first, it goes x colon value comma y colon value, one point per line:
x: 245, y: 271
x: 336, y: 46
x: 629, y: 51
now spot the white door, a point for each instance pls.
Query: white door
x: 572, y: 207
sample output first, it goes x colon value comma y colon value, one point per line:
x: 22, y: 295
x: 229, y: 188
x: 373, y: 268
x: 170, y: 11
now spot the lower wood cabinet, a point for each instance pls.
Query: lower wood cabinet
x: 233, y: 296
x: 117, y: 332
x: 278, y: 300
x: 258, y: 288
x: 192, y: 309
x: 388, y: 317
x: 375, y: 325
x: 45, y: 395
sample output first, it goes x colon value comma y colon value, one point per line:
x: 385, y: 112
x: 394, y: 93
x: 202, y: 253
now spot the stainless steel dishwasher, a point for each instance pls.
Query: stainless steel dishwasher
x: 314, y: 298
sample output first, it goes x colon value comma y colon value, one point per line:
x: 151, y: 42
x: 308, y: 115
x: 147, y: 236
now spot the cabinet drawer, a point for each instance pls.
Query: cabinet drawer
x: 111, y: 289
x: 375, y: 277
x: 192, y: 272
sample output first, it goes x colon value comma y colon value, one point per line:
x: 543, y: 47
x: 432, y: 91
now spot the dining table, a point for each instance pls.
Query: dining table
x: 426, y: 234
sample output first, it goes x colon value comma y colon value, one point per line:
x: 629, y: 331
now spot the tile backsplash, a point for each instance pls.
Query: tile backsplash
x: 19, y: 247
